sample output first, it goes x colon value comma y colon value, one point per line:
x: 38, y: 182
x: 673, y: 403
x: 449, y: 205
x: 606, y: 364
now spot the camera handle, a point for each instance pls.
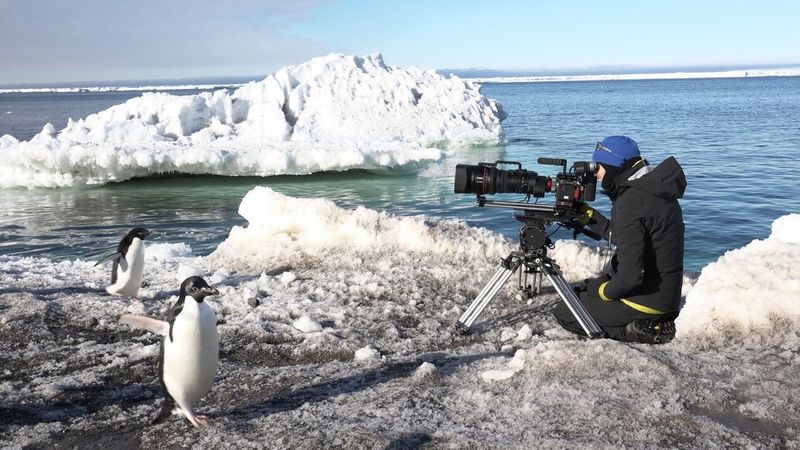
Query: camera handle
x: 537, y: 265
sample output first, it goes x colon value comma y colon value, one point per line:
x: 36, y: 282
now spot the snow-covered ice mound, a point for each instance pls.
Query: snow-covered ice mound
x: 331, y: 113
x: 749, y: 295
x: 304, y: 232
x: 300, y: 232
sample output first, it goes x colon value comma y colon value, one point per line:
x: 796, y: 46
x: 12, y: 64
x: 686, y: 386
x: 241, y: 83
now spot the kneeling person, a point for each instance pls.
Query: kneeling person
x: 639, y: 295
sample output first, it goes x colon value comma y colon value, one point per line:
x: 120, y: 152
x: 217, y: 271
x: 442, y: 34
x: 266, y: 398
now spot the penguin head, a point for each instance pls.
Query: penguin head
x: 197, y: 288
x: 139, y: 232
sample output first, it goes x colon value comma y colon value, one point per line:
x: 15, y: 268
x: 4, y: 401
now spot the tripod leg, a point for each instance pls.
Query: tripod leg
x: 486, y: 295
x: 572, y: 301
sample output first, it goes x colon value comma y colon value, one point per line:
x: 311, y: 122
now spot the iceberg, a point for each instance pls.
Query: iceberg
x: 335, y: 112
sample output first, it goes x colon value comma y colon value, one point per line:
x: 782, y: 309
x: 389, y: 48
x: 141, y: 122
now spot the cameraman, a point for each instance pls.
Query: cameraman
x: 638, y: 297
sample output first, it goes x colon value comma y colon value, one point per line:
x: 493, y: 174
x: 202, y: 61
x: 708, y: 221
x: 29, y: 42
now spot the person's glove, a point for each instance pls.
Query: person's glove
x: 597, y: 287
x: 586, y: 212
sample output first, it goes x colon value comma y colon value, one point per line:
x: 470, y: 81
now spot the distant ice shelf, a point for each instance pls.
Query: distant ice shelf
x: 132, y: 88
x: 788, y: 72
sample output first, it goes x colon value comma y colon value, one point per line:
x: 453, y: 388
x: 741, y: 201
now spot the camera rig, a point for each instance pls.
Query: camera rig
x: 531, y: 258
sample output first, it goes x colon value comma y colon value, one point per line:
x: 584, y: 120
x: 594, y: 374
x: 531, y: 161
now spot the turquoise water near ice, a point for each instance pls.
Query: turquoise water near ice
x: 737, y: 140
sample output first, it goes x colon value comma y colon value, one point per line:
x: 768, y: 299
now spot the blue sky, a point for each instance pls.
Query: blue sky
x: 69, y: 40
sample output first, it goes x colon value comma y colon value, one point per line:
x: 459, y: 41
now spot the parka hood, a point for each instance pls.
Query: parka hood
x: 665, y: 180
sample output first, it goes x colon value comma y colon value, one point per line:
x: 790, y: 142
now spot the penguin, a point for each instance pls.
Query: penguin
x: 189, y: 353
x: 128, y: 267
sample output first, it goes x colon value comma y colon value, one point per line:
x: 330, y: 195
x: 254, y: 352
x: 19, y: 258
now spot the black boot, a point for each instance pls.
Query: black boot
x: 647, y: 331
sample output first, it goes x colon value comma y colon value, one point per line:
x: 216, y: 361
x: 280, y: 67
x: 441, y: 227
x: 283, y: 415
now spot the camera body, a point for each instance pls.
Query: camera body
x: 579, y: 184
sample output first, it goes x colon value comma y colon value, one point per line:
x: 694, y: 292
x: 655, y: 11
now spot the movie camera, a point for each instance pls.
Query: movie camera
x: 571, y: 188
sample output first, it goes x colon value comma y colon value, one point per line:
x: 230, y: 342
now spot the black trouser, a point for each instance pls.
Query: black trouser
x: 610, y: 316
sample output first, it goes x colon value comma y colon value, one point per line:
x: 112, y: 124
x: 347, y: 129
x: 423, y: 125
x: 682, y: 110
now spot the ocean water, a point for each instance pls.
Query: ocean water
x: 737, y: 140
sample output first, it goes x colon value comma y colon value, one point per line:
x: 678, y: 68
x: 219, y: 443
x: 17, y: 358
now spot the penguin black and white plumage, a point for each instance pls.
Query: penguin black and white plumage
x: 128, y: 267
x: 189, y: 349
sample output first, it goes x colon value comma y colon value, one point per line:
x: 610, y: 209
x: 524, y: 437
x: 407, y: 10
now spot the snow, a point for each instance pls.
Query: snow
x: 373, y: 280
x: 524, y: 333
x: 331, y: 113
x: 367, y: 353
x: 787, y: 229
x: 749, y: 295
x: 426, y: 372
x: 287, y: 277
x: 165, y: 251
x: 748, y: 73
x: 288, y: 230
x: 515, y: 365
x: 307, y: 325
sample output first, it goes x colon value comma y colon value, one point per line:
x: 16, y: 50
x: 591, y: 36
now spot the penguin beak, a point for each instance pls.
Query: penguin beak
x: 209, y: 291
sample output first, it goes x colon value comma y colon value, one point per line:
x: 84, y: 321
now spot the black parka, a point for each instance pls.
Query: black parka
x: 647, y: 228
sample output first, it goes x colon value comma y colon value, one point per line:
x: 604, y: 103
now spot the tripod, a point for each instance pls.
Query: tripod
x: 531, y: 258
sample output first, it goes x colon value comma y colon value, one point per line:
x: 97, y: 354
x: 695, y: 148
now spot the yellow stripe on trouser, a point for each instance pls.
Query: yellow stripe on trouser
x: 636, y: 306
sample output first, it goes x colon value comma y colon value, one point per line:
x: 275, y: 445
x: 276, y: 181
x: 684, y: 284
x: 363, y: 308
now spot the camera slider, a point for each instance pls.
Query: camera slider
x: 531, y: 259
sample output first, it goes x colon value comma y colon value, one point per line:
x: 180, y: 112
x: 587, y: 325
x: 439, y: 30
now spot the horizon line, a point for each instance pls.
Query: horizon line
x: 472, y: 74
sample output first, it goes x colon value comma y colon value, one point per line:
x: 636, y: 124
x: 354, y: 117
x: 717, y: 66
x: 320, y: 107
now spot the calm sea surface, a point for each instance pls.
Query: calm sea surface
x: 737, y: 139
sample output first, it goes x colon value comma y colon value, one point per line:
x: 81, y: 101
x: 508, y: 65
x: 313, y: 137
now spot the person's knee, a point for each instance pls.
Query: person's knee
x: 566, y: 320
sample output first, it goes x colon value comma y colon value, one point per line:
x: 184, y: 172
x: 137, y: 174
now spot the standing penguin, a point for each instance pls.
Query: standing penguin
x: 189, y: 349
x: 126, y: 273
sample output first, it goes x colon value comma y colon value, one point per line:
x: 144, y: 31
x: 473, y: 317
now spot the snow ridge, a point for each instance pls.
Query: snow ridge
x: 749, y: 295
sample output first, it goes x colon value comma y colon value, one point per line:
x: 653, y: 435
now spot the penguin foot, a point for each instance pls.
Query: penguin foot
x: 199, y: 421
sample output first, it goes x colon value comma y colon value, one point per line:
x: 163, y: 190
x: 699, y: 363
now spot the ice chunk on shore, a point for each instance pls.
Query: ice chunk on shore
x: 516, y: 364
x: 749, y: 295
x: 331, y: 113
x: 307, y: 325
x: 286, y: 278
x: 366, y: 353
x: 426, y: 372
x: 524, y: 333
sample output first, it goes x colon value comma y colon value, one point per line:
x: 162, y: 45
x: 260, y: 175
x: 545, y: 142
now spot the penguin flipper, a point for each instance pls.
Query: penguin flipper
x: 116, y: 256
x: 156, y: 326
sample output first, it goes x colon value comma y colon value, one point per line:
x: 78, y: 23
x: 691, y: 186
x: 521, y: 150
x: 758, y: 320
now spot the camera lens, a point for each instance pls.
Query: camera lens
x: 463, y: 179
x: 485, y: 179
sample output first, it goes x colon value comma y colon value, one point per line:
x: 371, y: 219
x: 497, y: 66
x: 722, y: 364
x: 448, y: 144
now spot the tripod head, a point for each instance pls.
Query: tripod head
x: 533, y: 239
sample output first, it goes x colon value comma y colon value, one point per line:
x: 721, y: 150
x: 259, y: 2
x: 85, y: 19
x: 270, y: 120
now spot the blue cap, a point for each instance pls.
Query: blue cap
x: 615, y: 150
